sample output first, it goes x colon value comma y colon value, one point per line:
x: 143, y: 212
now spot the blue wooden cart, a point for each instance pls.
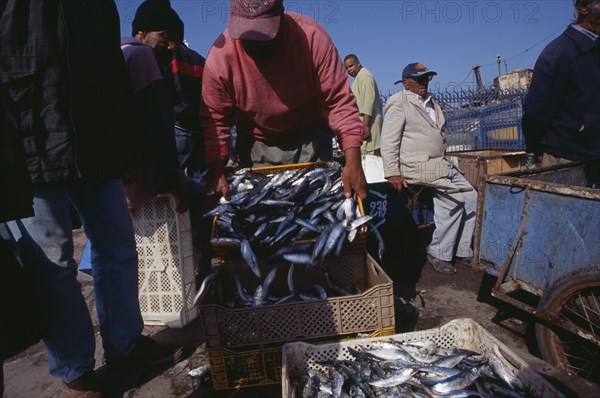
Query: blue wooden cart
x: 538, y: 232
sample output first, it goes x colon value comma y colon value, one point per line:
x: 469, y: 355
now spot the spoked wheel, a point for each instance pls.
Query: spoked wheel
x: 574, y: 299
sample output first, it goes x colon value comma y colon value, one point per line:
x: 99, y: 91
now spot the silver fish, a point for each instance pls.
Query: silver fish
x: 395, y: 379
x: 249, y: 257
x: 451, y: 361
x: 244, y: 298
x: 299, y: 258
x: 380, y: 242
x: 504, y: 373
x: 205, y: 285
x: 456, y: 382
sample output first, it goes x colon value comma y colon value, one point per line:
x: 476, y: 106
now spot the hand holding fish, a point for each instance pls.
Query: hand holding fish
x: 217, y: 185
x: 353, y: 175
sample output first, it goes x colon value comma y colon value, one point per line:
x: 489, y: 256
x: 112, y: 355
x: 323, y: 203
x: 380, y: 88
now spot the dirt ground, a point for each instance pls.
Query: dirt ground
x: 424, y: 299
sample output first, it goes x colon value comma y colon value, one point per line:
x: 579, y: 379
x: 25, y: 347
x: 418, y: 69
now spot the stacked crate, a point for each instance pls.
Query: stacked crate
x: 245, y: 344
x: 166, y: 263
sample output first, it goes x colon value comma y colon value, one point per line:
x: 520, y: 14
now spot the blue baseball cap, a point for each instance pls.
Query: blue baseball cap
x: 415, y: 70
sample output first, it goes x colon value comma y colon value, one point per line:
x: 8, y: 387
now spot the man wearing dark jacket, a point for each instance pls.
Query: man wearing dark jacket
x: 64, y: 92
x: 14, y: 178
x: 561, y: 117
x: 186, y: 70
x: 156, y: 28
x: 167, y: 79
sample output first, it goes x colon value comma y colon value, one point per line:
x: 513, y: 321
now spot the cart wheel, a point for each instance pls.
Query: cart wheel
x: 574, y: 298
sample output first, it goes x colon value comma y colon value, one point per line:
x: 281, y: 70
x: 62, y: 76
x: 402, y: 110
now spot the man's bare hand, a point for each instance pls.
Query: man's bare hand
x: 398, y: 183
x: 353, y: 176
x: 366, y: 127
x: 217, y: 185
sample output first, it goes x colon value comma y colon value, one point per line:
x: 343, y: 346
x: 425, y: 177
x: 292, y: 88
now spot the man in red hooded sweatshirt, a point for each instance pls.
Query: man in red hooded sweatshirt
x: 278, y: 77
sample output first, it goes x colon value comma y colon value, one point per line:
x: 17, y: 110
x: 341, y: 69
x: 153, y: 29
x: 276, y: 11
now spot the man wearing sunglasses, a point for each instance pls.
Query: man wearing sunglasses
x: 413, y: 151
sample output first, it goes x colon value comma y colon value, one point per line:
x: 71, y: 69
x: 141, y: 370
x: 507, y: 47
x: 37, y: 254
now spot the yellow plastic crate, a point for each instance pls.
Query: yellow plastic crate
x: 256, y: 367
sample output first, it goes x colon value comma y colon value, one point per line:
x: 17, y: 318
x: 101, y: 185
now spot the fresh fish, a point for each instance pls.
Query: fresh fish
x: 439, y: 371
x: 387, y: 354
x: 427, y: 345
x: 290, y: 280
x: 380, y: 242
x: 299, y: 258
x: 340, y: 243
x: 349, y: 207
x: 276, y: 203
x: 319, y: 246
x: 504, y: 373
x: 206, y: 284
x: 227, y: 241
x: 337, y: 382
x: 304, y: 248
x: 395, y: 379
x: 320, y: 291
x: 244, y: 298
x: 269, y: 281
x: 451, y: 361
x: 285, y: 233
x: 260, y: 230
x: 488, y: 388
x: 249, y: 257
x: 359, y: 222
x: 220, y: 209
x: 456, y: 382
x: 308, y: 225
x: 337, y: 234
x: 351, y: 235
x: 421, y: 353
x: 259, y: 297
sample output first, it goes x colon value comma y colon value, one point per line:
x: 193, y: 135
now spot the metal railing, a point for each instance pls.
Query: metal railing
x: 485, y: 119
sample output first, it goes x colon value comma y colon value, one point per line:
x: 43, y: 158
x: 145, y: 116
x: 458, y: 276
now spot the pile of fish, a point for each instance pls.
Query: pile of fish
x: 416, y: 369
x: 262, y: 296
x: 272, y: 211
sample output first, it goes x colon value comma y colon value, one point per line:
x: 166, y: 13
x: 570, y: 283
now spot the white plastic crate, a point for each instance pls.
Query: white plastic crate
x: 465, y: 333
x: 167, y: 268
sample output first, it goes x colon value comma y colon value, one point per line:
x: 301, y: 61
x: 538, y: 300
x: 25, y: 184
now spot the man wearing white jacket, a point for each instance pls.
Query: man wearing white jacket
x: 413, y: 151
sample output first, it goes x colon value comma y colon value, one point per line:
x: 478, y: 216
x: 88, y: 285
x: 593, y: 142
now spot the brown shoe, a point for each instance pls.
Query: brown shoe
x: 85, y: 386
x: 441, y: 266
x: 147, y: 353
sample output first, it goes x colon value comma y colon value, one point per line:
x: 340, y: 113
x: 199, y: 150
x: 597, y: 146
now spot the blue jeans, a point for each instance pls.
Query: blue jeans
x: 45, y: 243
x: 190, y: 150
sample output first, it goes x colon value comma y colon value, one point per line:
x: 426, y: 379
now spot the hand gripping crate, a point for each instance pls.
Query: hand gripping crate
x: 373, y: 309
x: 230, y: 252
x: 464, y: 333
x: 167, y: 269
x: 240, y: 368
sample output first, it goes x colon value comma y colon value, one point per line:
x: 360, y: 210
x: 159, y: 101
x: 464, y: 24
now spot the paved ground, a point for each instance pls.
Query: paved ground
x: 428, y: 300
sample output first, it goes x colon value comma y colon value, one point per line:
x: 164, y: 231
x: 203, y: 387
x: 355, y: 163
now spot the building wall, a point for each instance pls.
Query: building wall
x: 516, y: 79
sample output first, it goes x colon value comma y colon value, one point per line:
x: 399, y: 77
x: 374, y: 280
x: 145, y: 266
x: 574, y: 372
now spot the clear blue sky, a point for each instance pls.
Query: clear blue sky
x: 447, y: 36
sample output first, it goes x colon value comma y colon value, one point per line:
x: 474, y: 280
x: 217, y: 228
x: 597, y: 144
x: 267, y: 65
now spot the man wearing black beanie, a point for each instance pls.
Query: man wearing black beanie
x: 158, y: 26
x: 156, y: 15
x: 157, y: 29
